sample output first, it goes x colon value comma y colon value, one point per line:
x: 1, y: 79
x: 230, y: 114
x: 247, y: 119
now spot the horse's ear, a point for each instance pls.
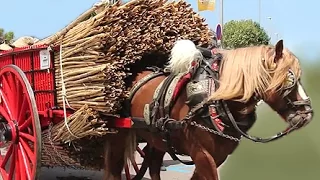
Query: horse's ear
x: 279, y: 50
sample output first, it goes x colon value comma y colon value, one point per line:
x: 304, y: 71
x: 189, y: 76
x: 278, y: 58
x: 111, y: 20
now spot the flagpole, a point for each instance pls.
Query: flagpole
x: 260, y: 12
x: 221, y: 20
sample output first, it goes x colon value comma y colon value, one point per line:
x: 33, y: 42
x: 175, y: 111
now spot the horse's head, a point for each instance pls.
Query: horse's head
x: 271, y: 74
x: 285, y: 93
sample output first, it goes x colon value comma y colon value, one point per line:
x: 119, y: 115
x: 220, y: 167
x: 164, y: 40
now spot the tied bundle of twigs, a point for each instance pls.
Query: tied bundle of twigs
x: 96, y: 51
x: 77, y: 155
x: 83, y: 123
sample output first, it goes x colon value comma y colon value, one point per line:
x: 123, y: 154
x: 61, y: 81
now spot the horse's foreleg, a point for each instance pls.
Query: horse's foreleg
x: 114, y: 156
x: 196, y: 175
x: 155, y: 158
x: 205, y: 165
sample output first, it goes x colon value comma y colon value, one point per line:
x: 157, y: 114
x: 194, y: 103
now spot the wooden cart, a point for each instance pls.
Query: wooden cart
x: 28, y: 108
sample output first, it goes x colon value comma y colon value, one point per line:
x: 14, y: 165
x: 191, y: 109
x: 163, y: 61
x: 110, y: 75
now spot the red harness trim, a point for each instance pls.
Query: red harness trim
x: 219, y: 124
x: 214, y: 51
x: 217, y: 121
x: 181, y: 84
x: 123, y: 122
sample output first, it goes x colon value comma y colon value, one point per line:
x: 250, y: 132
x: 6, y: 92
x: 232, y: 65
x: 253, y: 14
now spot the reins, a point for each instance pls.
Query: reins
x: 231, y: 118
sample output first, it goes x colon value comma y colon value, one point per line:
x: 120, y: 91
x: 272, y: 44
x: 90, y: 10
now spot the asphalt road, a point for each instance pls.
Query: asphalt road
x: 174, y: 171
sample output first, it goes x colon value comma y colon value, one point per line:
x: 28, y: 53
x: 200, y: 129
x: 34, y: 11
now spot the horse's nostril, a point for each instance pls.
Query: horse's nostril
x: 309, y: 116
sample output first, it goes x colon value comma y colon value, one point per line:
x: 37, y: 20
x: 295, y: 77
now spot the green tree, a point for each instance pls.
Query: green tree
x: 6, y: 36
x: 243, y: 33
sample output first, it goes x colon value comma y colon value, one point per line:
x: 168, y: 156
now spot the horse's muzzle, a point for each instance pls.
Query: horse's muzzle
x: 300, y: 119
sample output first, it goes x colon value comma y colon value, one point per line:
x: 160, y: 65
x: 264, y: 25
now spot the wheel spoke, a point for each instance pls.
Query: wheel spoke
x: 12, y: 94
x: 140, y: 152
x: 17, y: 175
x: 22, y: 165
x: 127, y: 172
x: 27, y: 136
x: 25, y: 124
x: 6, y: 103
x: 12, y: 164
x: 4, y: 113
x: 4, y: 160
x: 23, y: 109
x: 5, y: 84
x: 4, y: 174
x: 19, y: 98
x: 10, y: 90
x: 12, y: 83
x: 27, y: 149
x: 135, y: 166
x: 25, y: 161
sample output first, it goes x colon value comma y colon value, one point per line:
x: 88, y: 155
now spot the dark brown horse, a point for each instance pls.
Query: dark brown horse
x: 204, y: 102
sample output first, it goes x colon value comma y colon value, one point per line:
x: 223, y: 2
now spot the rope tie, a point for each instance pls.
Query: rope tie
x: 64, y: 95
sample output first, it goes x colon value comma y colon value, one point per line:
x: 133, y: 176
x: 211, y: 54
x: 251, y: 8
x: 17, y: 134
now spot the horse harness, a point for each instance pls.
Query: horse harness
x: 200, y: 82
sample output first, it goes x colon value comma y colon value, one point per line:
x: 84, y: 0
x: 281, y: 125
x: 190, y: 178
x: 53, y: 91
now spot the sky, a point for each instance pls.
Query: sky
x: 295, y: 21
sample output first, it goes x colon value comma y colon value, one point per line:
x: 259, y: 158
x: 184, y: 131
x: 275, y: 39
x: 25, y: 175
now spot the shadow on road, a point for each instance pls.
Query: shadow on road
x: 73, y: 178
x: 84, y: 178
x: 170, y: 162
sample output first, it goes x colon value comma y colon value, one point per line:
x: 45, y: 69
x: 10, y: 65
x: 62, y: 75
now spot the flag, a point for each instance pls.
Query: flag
x: 204, y: 5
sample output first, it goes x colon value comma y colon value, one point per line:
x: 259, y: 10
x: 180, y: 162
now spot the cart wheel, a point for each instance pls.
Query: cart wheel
x: 139, y: 172
x: 20, y: 132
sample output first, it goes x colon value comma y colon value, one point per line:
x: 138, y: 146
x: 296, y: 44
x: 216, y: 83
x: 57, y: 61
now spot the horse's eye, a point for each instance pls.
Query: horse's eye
x: 290, y: 81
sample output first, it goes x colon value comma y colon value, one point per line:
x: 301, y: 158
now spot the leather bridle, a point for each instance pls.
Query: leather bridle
x: 290, y: 104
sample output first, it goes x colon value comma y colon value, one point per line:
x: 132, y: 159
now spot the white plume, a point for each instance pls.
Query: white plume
x: 183, y: 53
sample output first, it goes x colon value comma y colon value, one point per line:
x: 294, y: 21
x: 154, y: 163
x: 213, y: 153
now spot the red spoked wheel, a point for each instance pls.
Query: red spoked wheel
x: 139, y: 172
x: 20, y: 131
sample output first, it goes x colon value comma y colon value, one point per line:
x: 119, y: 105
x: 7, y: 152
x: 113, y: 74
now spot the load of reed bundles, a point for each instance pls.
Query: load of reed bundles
x: 96, y: 49
x: 96, y: 53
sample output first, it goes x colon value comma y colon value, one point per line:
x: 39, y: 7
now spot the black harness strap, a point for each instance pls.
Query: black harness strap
x: 158, y: 103
x: 163, y: 93
x: 160, y: 118
x: 157, y: 72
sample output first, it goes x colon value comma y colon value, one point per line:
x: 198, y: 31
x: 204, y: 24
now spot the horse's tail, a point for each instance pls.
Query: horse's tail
x: 119, y: 146
x: 130, y: 146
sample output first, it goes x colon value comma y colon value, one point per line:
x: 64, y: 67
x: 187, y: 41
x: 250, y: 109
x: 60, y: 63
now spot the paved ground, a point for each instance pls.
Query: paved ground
x: 175, y: 171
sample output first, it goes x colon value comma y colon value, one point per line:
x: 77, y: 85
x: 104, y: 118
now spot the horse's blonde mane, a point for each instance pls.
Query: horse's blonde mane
x: 244, y: 71
x: 251, y: 70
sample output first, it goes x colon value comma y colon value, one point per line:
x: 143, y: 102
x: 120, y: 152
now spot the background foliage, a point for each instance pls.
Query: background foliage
x: 6, y: 36
x: 243, y: 33
x: 294, y: 157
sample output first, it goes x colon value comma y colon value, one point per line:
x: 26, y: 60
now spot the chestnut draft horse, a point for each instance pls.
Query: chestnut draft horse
x: 204, y: 102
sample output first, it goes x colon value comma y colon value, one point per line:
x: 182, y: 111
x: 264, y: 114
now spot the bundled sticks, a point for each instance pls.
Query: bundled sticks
x: 84, y: 122
x: 68, y: 143
x: 97, y: 49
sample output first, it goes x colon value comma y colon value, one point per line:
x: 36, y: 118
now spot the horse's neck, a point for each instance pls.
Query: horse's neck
x: 243, y: 113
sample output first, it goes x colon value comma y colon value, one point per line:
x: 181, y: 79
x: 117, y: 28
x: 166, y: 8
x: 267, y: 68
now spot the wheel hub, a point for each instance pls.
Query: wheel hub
x: 5, y: 132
